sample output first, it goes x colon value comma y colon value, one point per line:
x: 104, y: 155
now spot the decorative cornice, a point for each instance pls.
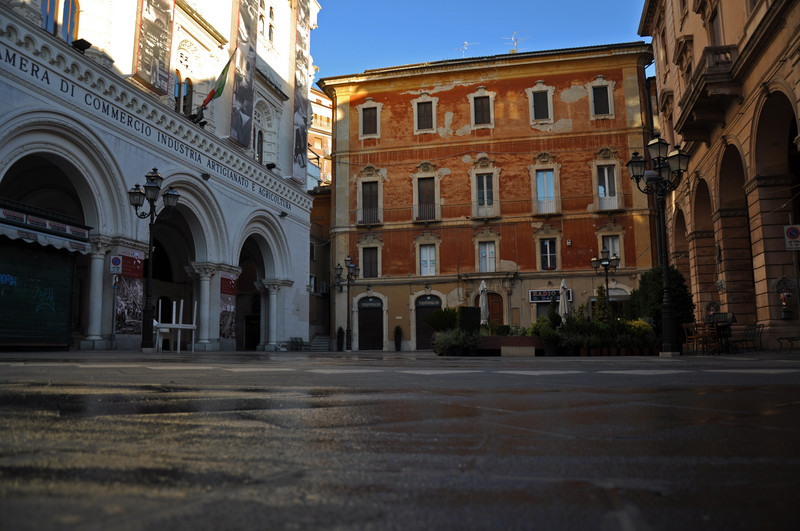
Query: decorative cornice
x: 22, y: 36
x: 728, y: 213
x: 699, y: 234
x: 765, y: 181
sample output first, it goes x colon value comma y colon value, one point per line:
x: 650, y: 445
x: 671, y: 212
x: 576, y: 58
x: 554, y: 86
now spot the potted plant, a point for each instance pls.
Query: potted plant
x: 398, y: 337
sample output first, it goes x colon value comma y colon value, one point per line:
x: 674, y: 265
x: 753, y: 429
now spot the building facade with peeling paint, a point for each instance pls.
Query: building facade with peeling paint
x: 728, y: 87
x: 93, y: 97
x: 507, y: 169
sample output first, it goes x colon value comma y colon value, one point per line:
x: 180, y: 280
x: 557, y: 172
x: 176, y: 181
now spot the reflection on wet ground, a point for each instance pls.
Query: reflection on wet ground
x: 120, y: 449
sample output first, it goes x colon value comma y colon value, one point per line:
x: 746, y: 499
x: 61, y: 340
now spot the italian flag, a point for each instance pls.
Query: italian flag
x: 219, y: 86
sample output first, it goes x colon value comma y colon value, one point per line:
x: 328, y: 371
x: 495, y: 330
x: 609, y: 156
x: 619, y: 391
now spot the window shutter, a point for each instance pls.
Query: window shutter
x: 541, y: 109
x: 600, y: 98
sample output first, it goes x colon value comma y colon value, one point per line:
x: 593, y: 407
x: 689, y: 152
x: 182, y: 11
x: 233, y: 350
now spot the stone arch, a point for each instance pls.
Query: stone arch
x: 773, y: 197
x: 701, y: 247
x: 733, y: 250
x: 680, y: 245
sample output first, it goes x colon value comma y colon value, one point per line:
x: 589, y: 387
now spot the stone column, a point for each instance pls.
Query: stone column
x: 262, y: 321
x: 94, y: 338
x: 272, y: 287
x: 204, y: 272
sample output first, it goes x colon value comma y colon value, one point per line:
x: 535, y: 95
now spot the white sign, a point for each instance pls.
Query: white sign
x: 791, y: 235
x: 116, y: 265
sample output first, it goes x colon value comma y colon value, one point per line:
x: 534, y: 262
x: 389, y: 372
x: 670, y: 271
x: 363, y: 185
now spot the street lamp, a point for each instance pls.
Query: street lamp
x: 137, y: 197
x: 606, y: 262
x: 352, y: 274
x: 667, y: 169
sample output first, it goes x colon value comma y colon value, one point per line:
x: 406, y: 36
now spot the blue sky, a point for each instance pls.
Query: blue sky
x: 355, y: 35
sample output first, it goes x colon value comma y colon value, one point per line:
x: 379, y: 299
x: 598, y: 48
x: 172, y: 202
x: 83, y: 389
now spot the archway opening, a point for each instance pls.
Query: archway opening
x: 43, y: 241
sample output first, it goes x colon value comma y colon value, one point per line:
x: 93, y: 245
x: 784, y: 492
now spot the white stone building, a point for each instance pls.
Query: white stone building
x: 95, y: 95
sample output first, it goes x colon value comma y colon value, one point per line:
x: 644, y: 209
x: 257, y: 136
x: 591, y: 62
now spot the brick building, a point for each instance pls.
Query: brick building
x: 728, y: 90
x: 507, y: 169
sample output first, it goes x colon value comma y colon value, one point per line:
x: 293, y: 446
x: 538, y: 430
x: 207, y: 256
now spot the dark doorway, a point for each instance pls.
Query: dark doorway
x: 425, y: 306
x: 370, y: 324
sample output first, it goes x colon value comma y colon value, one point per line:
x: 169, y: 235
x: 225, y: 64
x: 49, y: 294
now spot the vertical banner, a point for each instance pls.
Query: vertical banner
x: 244, y: 78
x: 129, y: 288
x: 301, y: 103
x: 227, y: 310
x: 153, y: 43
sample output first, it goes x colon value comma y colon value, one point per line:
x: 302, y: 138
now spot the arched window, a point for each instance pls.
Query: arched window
x: 49, y: 15
x: 188, y: 92
x: 177, y: 91
x: 69, y: 26
x: 261, y: 24
x: 271, y: 32
x: 260, y: 147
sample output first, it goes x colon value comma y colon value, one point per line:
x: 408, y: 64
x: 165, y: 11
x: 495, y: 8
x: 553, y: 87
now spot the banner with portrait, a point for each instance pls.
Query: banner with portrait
x: 301, y: 102
x: 153, y: 43
x: 244, y: 77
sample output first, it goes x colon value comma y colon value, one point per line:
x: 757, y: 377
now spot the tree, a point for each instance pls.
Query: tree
x: 646, y: 300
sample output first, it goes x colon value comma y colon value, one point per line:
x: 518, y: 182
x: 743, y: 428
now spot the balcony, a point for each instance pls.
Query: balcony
x: 426, y: 212
x: 708, y: 93
x: 484, y: 211
x: 547, y: 206
x: 608, y: 202
x: 369, y: 216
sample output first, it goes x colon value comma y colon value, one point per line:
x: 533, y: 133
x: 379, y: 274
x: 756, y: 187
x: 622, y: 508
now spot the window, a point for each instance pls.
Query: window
x: 49, y: 15
x: 369, y: 262
x: 369, y: 117
x: 312, y: 252
x: 544, y: 184
x: 427, y: 260
x: 178, y: 89
x: 312, y: 283
x: 540, y: 99
x: 369, y: 202
x: 482, y: 108
x: 259, y: 147
x: 483, y: 181
x: 715, y: 26
x: 605, y: 170
x: 485, y: 188
x: 69, y: 26
x: 602, y: 98
x: 547, y: 241
x: 262, y: 25
x: 426, y: 204
x: 370, y: 123
x: 612, y: 244
x: 426, y: 246
x: 271, y: 33
x: 486, y: 257
x: 426, y: 186
x: 424, y: 109
x: 607, y: 188
x: 424, y: 115
x: 188, y: 93
x: 545, y: 191
x: 548, y: 254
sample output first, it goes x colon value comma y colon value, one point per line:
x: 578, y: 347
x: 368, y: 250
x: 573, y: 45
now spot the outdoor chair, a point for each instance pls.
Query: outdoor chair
x: 691, y: 338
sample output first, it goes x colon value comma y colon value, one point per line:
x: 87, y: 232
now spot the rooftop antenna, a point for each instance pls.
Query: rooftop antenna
x: 514, y: 41
x: 465, y: 46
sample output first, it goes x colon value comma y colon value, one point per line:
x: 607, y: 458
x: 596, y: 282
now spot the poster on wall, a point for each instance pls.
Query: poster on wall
x: 153, y: 43
x: 227, y: 310
x: 244, y: 77
x: 129, y: 293
x: 301, y: 103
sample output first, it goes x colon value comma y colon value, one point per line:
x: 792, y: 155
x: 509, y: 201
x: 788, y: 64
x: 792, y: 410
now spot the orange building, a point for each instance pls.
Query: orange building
x: 507, y: 169
x: 728, y: 91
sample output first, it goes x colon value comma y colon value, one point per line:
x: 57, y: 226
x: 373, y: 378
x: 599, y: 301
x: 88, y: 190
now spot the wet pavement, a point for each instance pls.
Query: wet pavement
x: 136, y: 441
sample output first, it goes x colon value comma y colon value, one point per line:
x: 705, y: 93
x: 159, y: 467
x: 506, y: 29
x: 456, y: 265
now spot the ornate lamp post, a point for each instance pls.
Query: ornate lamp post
x: 606, y: 262
x: 137, y: 196
x: 352, y: 274
x: 668, y: 168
